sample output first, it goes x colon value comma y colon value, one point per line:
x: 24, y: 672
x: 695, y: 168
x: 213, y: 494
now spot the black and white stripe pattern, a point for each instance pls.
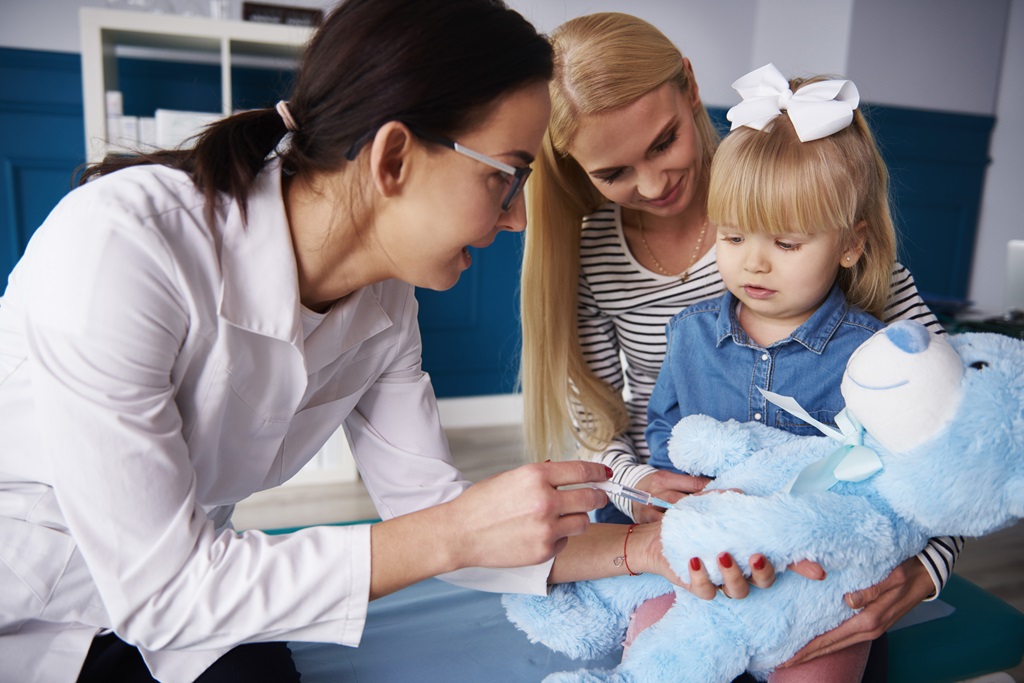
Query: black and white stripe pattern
x: 622, y: 313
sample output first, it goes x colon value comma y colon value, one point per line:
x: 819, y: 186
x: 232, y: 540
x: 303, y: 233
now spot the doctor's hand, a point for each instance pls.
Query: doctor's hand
x: 668, y: 486
x: 880, y: 607
x: 520, y: 517
x: 513, y: 519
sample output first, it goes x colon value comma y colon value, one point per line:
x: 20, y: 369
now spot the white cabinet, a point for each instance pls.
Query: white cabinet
x: 107, y: 34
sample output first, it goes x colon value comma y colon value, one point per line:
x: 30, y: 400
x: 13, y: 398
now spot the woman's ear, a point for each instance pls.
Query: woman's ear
x: 389, y: 157
x: 694, y: 90
x: 853, y: 252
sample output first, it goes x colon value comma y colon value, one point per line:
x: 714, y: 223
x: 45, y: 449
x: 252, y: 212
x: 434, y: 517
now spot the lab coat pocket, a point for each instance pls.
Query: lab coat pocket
x: 33, y: 559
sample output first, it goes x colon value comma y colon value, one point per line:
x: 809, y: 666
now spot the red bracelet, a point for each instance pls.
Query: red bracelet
x: 624, y: 560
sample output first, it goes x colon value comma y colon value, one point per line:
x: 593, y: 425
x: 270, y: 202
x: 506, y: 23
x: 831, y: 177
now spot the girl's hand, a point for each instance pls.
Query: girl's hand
x: 668, y: 486
x: 520, y: 517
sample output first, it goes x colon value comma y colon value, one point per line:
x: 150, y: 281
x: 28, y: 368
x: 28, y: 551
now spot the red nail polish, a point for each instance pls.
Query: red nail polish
x: 609, y: 471
x: 759, y: 563
x: 725, y: 559
x: 695, y: 564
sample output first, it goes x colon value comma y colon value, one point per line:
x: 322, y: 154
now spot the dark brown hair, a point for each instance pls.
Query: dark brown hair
x: 434, y: 64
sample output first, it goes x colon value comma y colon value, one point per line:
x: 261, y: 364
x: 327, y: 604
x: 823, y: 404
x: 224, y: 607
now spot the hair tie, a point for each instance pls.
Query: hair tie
x: 286, y: 116
x: 816, y: 109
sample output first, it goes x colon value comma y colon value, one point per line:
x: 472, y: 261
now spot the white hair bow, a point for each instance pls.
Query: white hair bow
x: 817, y: 109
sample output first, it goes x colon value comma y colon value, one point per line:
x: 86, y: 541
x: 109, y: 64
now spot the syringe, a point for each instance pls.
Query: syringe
x: 630, y: 493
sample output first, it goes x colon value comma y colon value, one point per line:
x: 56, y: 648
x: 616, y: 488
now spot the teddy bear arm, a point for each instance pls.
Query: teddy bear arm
x: 702, y: 445
x: 832, y: 529
x: 772, y: 469
x: 840, y: 532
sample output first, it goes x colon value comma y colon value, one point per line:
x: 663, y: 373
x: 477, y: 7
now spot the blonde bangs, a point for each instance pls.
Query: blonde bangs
x: 765, y: 182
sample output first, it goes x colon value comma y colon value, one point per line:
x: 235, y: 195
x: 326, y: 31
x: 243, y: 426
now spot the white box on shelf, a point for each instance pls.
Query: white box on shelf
x: 129, y: 132
x: 147, y: 133
x: 115, y: 103
x: 113, y: 130
x: 175, y: 128
x: 123, y: 132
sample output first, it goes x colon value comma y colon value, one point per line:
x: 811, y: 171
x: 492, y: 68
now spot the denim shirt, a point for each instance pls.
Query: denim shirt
x: 713, y: 368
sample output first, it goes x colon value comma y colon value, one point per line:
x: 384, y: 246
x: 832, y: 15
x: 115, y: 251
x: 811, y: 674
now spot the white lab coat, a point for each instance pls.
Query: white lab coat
x: 152, y: 374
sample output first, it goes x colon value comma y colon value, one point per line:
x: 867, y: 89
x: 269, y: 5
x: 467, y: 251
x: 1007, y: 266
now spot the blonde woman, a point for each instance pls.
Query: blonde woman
x: 620, y: 241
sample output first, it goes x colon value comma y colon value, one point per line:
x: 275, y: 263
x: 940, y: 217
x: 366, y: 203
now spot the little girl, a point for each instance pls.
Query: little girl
x: 806, y: 247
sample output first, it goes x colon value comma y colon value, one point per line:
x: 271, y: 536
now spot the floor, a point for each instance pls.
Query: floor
x: 996, y: 562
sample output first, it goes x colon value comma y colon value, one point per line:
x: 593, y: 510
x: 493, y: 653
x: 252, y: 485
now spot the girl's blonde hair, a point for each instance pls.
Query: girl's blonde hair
x: 602, y: 62
x: 768, y: 181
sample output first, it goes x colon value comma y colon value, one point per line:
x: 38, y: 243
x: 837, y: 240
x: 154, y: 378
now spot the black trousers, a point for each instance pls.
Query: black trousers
x: 111, y: 660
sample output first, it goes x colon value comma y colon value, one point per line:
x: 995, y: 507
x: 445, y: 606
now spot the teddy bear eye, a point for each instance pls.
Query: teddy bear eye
x: 979, y: 365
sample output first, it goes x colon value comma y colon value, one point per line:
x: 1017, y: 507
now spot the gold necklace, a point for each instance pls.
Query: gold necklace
x: 684, y: 276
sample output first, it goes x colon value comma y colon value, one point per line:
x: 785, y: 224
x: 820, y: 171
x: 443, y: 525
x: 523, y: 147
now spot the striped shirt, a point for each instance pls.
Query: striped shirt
x: 622, y: 312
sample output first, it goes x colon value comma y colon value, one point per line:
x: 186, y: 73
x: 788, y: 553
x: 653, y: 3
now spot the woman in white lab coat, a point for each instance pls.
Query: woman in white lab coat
x: 188, y: 330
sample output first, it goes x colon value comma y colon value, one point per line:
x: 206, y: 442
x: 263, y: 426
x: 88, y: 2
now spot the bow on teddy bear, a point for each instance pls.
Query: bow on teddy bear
x: 931, y: 409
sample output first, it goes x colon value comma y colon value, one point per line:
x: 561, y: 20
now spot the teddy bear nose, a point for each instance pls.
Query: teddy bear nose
x: 908, y: 336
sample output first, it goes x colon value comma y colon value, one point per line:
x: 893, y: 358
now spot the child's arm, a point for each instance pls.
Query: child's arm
x: 662, y: 411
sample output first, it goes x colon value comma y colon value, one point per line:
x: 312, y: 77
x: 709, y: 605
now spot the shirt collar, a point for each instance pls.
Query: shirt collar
x: 260, y: 290
x: 814, y: 333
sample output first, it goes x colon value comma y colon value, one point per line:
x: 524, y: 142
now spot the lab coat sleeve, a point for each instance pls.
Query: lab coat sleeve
x: 404, y: 459
x: 106, y: 320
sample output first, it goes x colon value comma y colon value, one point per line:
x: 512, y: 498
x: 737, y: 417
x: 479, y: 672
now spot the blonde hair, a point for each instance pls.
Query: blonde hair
x: 602, y: 62
x: 768, y: 181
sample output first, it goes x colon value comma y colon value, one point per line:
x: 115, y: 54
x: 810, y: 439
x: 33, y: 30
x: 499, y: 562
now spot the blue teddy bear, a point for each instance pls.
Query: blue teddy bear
x: 932, y: 444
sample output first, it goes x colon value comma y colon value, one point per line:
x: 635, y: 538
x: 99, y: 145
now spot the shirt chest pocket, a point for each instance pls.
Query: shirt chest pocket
x: 795, y: 425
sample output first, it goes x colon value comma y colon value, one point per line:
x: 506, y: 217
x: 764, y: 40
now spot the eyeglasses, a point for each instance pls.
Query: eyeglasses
x: 517, y: 174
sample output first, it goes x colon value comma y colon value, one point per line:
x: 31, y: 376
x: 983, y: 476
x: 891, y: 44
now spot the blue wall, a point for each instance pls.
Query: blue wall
x: 471, y: 332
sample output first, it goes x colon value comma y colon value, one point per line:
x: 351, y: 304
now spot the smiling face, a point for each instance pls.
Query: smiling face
x: 646, y: 155
x: 451, y: 201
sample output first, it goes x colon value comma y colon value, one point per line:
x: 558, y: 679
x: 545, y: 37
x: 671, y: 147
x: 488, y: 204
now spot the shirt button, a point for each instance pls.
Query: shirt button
x: 764, y: 356
x: 757, y: 416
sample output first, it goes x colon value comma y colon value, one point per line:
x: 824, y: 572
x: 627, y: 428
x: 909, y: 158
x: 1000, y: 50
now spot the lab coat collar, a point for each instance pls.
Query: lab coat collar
x: 349, y: 323
x: 260, y: 289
